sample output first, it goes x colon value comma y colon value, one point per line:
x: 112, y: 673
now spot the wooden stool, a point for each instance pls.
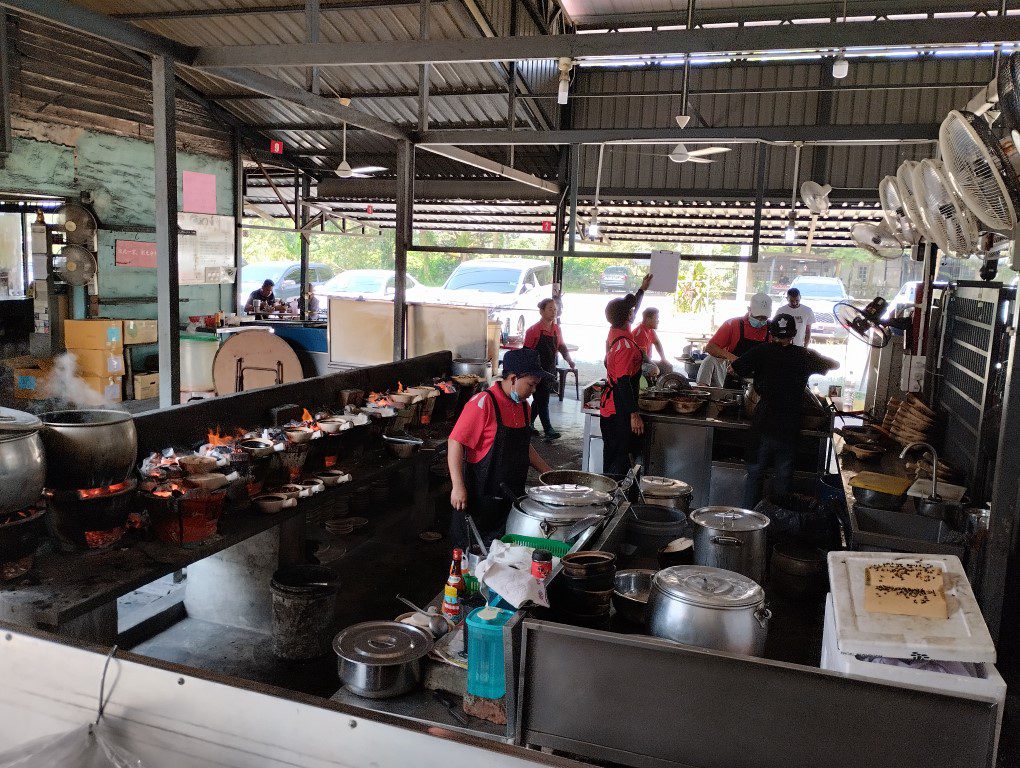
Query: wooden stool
x: 563, y: 372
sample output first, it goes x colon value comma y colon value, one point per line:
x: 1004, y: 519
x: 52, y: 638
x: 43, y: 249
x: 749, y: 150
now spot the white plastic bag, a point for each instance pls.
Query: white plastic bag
x: 88, y: 746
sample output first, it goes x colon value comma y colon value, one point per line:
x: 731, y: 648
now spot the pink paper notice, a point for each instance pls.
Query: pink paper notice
x: 199, y: 192
x: 132, y: 253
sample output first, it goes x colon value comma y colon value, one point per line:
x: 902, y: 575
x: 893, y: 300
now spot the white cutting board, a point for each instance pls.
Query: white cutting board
x: 953, y: 494
x: 961, y: 637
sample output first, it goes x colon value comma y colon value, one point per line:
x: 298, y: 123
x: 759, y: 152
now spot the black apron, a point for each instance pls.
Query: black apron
x: 744, y: 345
x: 547, y: 352
x: 506, y: 464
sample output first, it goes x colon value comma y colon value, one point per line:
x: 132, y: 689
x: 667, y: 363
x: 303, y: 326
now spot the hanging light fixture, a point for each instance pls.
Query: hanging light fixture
x: 790, y: 234
x: 563, y: 94
x: 593, y: 225
x: 841, y: 67
x: 592, y: 230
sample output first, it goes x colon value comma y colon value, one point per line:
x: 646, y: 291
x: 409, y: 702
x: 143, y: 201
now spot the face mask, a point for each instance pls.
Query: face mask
x: 756, y: 323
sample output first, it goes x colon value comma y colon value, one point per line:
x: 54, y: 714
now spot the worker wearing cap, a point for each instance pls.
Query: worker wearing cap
x: 647, y: 339
x: 801, y: 313
x: 736, y: 337
x: 489, y: 450
x: 620, y: 421
x: 781, y: 371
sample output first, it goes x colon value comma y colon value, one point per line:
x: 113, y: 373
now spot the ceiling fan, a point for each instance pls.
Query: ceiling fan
x: 816, y: 200
x: 344, y: 170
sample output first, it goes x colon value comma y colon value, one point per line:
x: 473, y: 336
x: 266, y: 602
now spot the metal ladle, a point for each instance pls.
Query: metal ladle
x: 439, y: 625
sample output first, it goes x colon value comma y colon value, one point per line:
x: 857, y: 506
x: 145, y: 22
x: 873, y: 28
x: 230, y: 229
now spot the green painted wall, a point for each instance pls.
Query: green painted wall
x: 119, y: 174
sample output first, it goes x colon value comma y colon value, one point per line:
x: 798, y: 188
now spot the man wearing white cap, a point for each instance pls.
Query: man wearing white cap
x: 735, y: 337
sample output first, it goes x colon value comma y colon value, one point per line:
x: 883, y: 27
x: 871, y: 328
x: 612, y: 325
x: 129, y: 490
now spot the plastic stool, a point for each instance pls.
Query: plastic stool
x: 563, y: 372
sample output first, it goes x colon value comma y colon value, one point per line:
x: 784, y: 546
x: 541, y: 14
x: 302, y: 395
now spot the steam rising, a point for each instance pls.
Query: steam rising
x: 69, y: 390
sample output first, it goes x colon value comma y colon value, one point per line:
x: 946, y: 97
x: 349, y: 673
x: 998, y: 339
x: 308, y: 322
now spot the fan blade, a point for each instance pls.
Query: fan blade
x: 368, y: 169
x: 698, y: 160
x: 708, y: 151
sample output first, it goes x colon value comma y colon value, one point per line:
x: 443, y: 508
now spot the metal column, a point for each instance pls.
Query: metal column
x: 6, y: 140
x: 573, y: 161
x: 304, y: 190
x: 403, y: 238
x: 424, y: 70
x: 164, y: 121
x: 239, y: 192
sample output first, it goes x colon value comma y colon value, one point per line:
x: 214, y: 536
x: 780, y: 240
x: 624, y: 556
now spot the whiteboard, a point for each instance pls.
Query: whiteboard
x: 360, y: 332
x: 208, y: 255
x: 435, y: 327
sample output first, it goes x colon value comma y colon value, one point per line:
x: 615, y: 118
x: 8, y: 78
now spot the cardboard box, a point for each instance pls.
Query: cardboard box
x: 30, y: 375
x: 146, y: 385
x: 110, y: 387
x: 98, y: 362
x: 139, y: 331
x: 94, y: 334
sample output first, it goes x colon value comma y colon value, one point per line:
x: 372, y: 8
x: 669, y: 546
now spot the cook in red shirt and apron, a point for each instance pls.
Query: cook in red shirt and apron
x: 546, y: 338
x: 490, y: 450
x: 735, y: 337
x: 620, y: 421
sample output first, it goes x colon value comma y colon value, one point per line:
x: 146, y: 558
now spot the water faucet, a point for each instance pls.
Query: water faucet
x: 934, y: 465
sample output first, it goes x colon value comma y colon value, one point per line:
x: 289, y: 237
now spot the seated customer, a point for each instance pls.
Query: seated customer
x: 781, y: 371
x: 647, y: 338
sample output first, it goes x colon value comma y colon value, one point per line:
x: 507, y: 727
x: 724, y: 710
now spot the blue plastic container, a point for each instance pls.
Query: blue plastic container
x: 486, y: 676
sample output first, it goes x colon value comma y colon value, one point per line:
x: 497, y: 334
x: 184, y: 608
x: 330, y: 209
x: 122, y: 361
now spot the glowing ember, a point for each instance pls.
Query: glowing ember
x: 100, y: 539
x: 216, y: 439
x: 110, y: 490
x: 447, y: 387
x: 329, y: 461
x: 378, y: 400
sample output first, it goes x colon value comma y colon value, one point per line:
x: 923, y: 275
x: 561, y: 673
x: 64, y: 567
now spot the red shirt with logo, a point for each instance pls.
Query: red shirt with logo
x: 476, y: 426
x: 622, y: 363
x: 645, y: 337
x: 729, y: 333
x: 537, y: 331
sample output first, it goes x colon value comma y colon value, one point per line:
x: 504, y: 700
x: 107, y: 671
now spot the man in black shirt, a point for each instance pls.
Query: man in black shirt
x: 781, y: 371
x: 265, y: 295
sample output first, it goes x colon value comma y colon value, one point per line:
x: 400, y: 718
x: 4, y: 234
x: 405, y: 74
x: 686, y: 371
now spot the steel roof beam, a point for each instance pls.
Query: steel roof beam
x: 779, y: 134
x: 205, y: 13
x: 810, y: 37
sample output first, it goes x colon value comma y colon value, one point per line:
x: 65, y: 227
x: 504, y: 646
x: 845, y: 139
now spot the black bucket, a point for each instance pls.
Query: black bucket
x: 651, y: 527
x: 304, y: 598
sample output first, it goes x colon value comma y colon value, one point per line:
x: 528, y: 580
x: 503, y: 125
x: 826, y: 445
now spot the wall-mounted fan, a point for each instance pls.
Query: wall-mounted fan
x: 77, y: 223
x: 893, y: 212
x: 981, y: 169
x: 952, y: 227
x: 75, y: 265
x: 876, y: 239
x: 816, y: 199
x: 866, y: 324
x: 344, y: 170
x: 1008, y: 87
x: 905, y: 187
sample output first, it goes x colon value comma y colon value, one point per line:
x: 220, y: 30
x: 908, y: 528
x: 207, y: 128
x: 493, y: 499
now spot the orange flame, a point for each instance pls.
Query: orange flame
x: 215, y: 438
x: 400, y: 387
x: 306, y: 416
x: 378, y: 399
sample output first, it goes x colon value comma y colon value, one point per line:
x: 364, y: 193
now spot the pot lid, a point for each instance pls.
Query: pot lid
x: 729, y: 519
x: 19, y: 422
x: 382, y: 642
x: 708, y: 587
x: 664, y: 487
x: 557, y: 512
x: 568, y: 495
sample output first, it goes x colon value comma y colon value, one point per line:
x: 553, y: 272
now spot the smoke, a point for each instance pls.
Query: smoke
x: 68, y: 390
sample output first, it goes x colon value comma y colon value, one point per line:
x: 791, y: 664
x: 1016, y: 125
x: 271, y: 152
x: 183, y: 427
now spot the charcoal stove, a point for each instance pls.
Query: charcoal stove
x: 20, y: 535
x: 90, y: 518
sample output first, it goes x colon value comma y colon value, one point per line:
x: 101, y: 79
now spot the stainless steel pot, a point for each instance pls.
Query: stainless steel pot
x: 22, y: 460
x: 88, y: 449
x: 667, y: 492
x: 468, y: 366
x: 710, y: 608
x: 730, y: 538
x: 381, y: 659
x: 529, y: 517
x: 576, y: 477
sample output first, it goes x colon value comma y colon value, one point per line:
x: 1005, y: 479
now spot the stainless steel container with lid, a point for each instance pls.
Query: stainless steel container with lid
x: 710, y: 608
x: 22, y: 460
x: 381, y: 659
x: 561, y: 522
x: 88, y: 449
x: 568, y: 495
x: 667, y: 492
x: 730, y: 538
x: 472, y: 366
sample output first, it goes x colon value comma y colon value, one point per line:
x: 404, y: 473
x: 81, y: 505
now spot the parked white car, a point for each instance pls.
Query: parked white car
x: 509, y: 288
x: 370, y: 284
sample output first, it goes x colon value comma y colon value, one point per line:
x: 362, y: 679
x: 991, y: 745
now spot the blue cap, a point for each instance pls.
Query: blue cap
x: 525, y: 362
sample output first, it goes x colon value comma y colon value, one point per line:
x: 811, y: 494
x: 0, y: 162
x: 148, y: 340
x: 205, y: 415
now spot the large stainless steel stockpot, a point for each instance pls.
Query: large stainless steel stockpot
x: 22, y: 460
x: 730, y: 538
x: 89, y: 448
x: 381, y: 659
x: 710, y: 608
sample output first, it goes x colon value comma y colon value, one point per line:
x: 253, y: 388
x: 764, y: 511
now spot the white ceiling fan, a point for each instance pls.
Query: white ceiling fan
x: 816, y: 200
x: 344, y: 170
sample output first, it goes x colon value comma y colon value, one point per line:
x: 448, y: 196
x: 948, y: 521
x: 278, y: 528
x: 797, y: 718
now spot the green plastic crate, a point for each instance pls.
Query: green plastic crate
x: 557, y: 548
